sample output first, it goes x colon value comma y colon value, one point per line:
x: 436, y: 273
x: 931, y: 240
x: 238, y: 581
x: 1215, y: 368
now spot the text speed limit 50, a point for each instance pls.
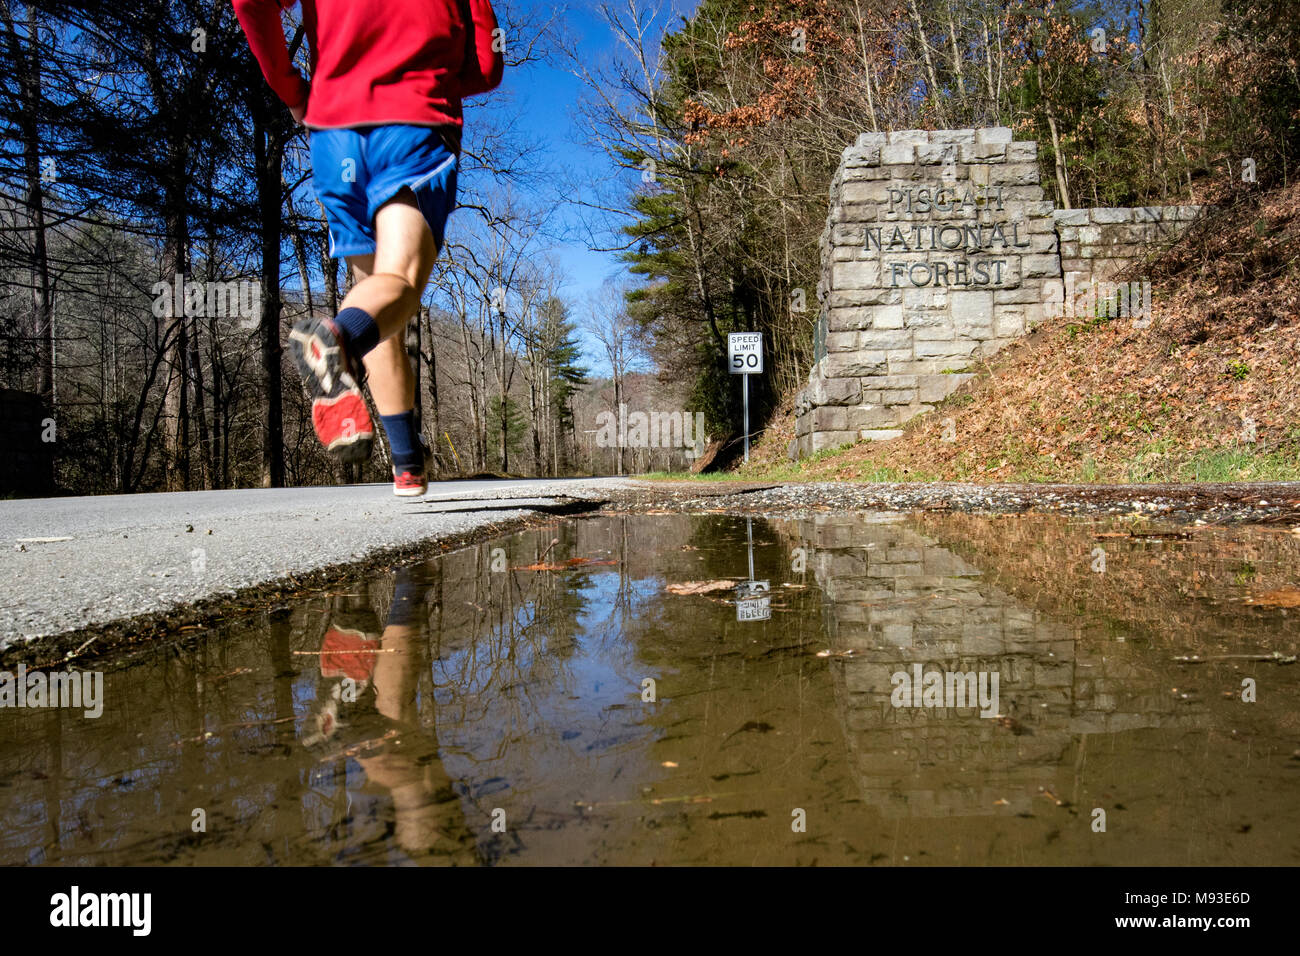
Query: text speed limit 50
x: 745, y: 353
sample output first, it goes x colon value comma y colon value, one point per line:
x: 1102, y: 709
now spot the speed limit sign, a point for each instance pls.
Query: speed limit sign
x: 745, y: 353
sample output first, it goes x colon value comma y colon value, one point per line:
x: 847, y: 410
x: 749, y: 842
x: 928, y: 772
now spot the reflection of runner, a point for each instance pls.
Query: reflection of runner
x: 384, y: 107
x: 368, y: 708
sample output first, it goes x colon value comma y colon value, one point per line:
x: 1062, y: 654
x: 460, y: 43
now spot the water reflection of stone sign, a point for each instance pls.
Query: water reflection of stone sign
x: 753, y: 601
x: 899, y: 603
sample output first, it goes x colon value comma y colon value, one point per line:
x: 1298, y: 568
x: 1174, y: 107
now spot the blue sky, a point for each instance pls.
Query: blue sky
x: 548, y: 94
x: 545, y: 95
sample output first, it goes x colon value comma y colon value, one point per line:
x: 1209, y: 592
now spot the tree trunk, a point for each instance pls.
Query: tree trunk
x: 268, y: 145
x: 175, y: 377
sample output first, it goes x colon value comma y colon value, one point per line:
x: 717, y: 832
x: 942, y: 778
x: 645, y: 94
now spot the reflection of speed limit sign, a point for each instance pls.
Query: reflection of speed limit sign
x: 745, y: 353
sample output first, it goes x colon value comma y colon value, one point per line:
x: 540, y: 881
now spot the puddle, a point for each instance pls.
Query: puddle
x: 468, y: 711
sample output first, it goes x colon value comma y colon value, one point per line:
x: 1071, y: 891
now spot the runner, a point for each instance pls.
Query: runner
x: 384, y: 109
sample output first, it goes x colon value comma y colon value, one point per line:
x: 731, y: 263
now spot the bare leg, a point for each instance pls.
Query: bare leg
x: 388, y: 286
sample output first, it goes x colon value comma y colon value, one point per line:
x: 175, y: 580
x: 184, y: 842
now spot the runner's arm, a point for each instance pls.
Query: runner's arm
x: 483, y: 64
x: 261, y: 22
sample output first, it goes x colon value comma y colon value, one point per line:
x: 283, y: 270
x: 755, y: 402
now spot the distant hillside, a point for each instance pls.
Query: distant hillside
x: 1209, y: 391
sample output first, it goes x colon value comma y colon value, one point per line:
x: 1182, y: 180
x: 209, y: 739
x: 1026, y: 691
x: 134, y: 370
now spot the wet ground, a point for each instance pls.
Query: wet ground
x: 613, y: 689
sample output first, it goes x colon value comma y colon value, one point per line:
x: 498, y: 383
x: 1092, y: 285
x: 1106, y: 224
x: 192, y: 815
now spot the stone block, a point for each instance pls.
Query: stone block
x: 847, y: 320
x: 908, y: 137
x: 966, y: 136
x: 842, y: 341
x: 895, y: 155
x: 932, y: 154
x: 935, y: 388
x: 821, y: 440
x: 865, y: 192
x: 957, y: 348
x: 982, y: 153
x: 884, y: 339
x: 939, y: 332
x: 1111, y: 215
x: 890, y: 381
x: 1022, y: 152
x: 1009, y: 321
x: 855, y: 364
x: 847, y: 234
x: 993, y: 134
x: 1070, y: 217
x: 856, y: 298
x: 858, y: 274
x: 887, y: 317
x: 868, y: 140
x: 1025, y: 293
x: 971, y: 309
x: 830, y: 418
x: 856, y: 156
x: 921, y: 367
x: 870, y: 416
x: 856, y: 212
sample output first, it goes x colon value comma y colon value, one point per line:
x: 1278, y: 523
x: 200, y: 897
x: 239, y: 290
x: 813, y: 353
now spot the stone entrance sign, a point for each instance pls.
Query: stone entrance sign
x: 939, y: 250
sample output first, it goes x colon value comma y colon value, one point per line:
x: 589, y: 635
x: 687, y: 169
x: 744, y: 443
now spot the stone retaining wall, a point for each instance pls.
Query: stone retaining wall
x: 939, y: 250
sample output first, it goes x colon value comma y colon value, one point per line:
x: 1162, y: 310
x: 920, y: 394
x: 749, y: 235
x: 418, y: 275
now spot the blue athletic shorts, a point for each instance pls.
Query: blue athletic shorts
x: 355, y: 171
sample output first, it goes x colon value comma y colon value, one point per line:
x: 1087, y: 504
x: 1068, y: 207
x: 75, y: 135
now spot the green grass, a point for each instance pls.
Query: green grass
x: 1161, y: 460
x: 1241, y: 463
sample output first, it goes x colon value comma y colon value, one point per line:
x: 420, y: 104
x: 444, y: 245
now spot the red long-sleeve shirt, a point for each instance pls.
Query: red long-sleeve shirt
x: 378, y: 62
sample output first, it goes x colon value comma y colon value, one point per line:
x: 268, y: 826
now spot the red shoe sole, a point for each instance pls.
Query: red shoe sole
x: 342, y: 422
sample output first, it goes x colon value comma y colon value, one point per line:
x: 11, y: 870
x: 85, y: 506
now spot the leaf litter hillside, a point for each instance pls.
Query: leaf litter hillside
x: 1208, y: 390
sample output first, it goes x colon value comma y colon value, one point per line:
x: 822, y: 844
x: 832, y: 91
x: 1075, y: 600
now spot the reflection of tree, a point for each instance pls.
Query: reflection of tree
x: 510, y: 649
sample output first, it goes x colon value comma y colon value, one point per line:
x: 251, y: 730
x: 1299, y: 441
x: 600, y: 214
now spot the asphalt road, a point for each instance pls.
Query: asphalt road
x: 121, y: 555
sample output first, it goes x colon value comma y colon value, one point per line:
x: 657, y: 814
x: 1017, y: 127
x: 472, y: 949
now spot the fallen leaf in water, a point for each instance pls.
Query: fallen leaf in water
x: 1001, y: 803
x: 668, y: 763
x: 565, y: 565
x: 700, y: 587
x: 1282, y: 597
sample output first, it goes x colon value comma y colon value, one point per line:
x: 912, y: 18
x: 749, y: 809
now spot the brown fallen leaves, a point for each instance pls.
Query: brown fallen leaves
x: 565, y: 565
x: 1282, y: 597
x: 700, y: 587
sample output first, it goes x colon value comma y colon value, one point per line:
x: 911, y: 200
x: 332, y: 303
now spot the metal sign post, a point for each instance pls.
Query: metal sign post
x: 753, y: 598
x: 745, y: 357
